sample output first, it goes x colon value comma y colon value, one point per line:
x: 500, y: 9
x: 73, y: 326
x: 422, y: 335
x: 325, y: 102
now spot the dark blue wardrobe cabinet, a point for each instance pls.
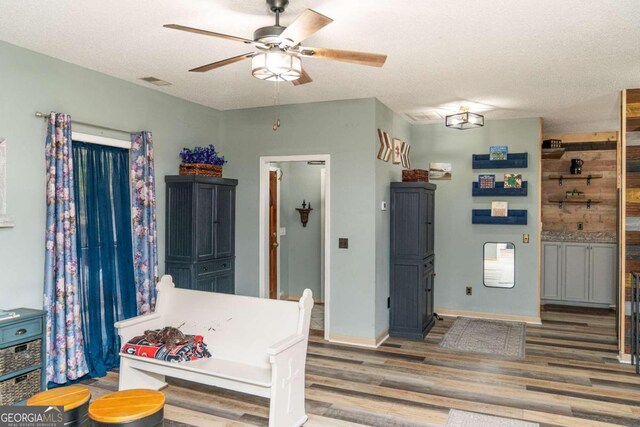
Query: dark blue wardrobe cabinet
x: 412, y: 268
x: 200, y: 232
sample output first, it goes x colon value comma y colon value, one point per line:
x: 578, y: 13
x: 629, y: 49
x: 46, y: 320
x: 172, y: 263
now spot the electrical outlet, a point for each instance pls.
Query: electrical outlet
x: 580, y: 226
x: 525, y: 238
x: 469, y: 290
x: 388, y: 302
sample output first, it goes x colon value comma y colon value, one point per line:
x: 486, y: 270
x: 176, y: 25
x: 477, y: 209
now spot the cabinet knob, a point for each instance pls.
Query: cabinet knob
x: 205, y: 268
x: 224, y: 265
x: 21, y: 331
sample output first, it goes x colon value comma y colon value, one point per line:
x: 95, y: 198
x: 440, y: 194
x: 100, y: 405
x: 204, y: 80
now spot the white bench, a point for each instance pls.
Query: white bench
x: 258, y: 346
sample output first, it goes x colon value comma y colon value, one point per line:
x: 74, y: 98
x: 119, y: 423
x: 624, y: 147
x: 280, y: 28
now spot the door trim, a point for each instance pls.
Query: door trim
x: 278, y: 171
x: 263, y: 229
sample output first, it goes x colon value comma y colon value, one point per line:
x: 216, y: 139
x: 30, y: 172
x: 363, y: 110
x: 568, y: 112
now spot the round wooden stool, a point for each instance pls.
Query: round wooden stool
x: 128, y: 408
x: 74, y: 398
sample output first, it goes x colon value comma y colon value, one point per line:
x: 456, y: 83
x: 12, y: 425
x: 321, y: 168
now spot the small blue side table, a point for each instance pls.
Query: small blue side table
x: 22, y: 356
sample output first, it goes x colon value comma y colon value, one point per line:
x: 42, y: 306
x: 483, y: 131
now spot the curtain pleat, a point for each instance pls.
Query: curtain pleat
x: 64, y: 338
x: 143, y: 204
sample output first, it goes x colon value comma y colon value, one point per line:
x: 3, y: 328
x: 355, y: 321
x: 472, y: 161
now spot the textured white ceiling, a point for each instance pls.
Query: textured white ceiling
x: 564, y: 60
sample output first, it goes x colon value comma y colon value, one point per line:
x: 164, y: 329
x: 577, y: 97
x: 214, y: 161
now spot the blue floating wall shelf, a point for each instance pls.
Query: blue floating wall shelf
x: 515, y: 217
x: 514, y: 161
x: 499, y: 190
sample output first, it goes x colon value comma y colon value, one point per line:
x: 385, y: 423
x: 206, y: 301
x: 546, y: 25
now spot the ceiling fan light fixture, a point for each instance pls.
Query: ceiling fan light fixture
x: 276, y: 66
x: 464, y: 120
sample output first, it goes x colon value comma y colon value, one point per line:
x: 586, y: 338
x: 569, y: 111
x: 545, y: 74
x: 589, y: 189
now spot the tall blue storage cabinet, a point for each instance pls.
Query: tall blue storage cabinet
x: 412, y: 269
x: 200, y: 232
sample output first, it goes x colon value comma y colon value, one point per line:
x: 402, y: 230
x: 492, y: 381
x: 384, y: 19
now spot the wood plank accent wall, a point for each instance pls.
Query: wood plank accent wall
x: 600, y: 217
x: 631, y: 159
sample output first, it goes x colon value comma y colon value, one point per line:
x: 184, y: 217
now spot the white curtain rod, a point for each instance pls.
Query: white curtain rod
x: 44, y: 116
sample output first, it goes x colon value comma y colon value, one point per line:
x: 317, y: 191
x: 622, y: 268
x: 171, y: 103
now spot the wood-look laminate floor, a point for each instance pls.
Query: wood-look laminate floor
x: 570, y: 377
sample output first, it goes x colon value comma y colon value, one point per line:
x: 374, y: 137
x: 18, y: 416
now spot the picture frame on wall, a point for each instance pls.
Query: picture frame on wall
x: 440, y: 171
x: 5, y: 220
x: 498, y: 152
x: 388, y: 147
x: 397, y: 151
x: 512, y: 180
x: 383, y: 146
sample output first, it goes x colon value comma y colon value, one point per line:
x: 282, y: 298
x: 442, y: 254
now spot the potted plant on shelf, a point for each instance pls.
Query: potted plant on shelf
x: 201, y: 161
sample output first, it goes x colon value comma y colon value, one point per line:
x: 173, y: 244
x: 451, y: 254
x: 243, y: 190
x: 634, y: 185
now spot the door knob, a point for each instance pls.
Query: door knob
x: 275, y: 244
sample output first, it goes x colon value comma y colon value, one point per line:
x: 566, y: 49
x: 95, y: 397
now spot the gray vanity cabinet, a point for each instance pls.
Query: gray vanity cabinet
x: 579, y: 273
x: 412, y: 268
x: 200, y: 232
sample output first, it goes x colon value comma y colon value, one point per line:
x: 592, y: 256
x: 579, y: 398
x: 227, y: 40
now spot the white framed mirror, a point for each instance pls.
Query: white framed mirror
x: 499, y: 265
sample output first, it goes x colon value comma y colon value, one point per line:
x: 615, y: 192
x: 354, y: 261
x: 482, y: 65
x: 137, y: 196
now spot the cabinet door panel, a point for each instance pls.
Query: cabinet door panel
x: 576, y: 272
x: 406, y: 240
x: 602, y: 284
x: 179, y: 222
x: 428, y: 290
x: 551, y: 270
x: 205, y: 217
x: 430, y: 227
x: 207, y: 284
x: 407, y: 297
x: 225, y: 221
x: 224, y: 283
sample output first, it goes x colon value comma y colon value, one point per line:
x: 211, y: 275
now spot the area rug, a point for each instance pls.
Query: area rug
x: 486, y: 336
x: 471, y: 419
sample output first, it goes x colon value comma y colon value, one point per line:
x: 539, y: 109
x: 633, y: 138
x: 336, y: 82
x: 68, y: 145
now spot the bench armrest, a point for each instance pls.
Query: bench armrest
x: 285, y: 344
x: 136, y: 320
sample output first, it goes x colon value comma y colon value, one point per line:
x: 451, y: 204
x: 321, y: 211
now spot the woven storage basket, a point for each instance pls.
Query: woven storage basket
x: 200, y: 169
x: 415, y: 175
x: 19, y: 388
x: 20, y: 356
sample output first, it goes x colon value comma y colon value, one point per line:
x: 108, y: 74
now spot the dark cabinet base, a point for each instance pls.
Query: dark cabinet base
x: 413, y: 334
x: 211, y: 276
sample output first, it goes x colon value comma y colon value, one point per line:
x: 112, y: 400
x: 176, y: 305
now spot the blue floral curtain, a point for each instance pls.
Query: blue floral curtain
x: 143, y: 201
x: 65, y: 355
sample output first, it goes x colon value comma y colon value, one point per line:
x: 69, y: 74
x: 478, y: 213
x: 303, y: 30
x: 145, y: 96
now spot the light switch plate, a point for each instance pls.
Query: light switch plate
x: 383, y: 206
x: 283, y: 231
x: 343, y: 243
x: 525, y: 238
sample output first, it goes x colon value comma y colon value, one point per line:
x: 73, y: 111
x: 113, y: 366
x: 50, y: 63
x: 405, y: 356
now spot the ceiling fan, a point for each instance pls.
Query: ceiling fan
x: 278, y: 53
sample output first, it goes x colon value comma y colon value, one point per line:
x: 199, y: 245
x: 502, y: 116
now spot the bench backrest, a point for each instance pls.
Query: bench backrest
x: 234, y: 327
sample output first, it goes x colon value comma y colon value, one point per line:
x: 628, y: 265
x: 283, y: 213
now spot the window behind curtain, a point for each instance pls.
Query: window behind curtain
x: 103, y: 212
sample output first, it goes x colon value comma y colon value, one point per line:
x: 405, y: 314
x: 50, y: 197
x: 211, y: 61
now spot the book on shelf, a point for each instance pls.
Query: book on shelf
x: 487, y: 181
x: 512, y: 180
x: 498, y: 152
x: 499, y: 208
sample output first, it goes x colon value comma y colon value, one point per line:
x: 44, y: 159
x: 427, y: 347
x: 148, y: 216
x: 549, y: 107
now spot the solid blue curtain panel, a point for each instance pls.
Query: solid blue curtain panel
x: 145, y: 250
x: 65, y: 353
x: 106, y: 287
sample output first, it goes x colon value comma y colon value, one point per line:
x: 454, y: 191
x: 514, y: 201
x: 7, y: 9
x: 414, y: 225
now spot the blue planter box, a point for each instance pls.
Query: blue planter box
x: 499, y: 190
x: 514, y: 161
x: 483, y: 216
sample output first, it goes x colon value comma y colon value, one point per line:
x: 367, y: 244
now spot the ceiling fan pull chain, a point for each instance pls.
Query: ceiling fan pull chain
x: 276, y: 121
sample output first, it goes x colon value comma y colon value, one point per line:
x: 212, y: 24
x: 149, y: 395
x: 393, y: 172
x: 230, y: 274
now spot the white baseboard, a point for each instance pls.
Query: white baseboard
x: 359, y: 341
x: 534, y: 320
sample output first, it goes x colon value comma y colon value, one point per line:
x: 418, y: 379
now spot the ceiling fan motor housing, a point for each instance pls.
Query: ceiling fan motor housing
x: 268, y: 35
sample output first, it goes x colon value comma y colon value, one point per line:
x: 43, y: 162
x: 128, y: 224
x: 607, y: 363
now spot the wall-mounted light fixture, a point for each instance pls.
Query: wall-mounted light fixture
x: 304, y: 213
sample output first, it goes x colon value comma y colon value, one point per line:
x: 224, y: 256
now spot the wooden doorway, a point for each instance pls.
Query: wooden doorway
x: 273, y: 234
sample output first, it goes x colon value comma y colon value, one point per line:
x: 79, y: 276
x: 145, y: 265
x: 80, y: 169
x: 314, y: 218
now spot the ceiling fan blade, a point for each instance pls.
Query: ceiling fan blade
x: 308, y: 23
x: 304, y: 79
x: 210, y: 33
x: 222, y: 63
x: 362, y: 58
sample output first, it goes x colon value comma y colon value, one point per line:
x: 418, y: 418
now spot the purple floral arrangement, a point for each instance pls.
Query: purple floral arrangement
x: 207, y: 155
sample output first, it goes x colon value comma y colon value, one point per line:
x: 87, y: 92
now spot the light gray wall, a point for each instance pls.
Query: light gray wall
x: 458, y: 243
x: 386, y: 172
x: 31, y: 82
x: 300, y: 257
x: 344, y: 130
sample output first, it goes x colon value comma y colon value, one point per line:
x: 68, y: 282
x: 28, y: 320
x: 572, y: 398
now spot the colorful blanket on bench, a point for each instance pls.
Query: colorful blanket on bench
x: 139, y: 346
